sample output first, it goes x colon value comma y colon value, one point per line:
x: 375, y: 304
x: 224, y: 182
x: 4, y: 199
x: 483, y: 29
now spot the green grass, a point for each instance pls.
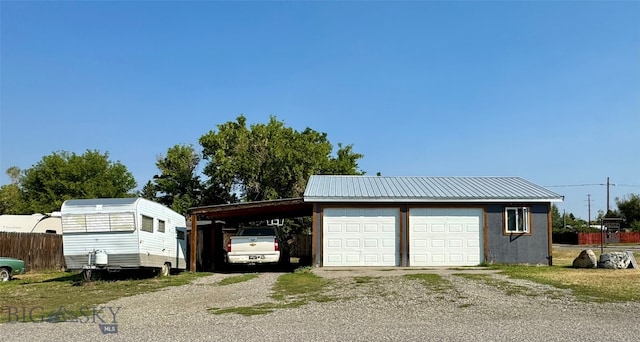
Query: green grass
x: 469, y: 268
x: 52, y: 290
x: 364, y: 279
x: 504, y: 285
x: 237, y: 279
x: 590, y: 285
x: 565, y: 256
x: 418, y: 269
x: 300, y: 285
x: 291, y: 290
x: 259, y: 309
x: 431, y: 281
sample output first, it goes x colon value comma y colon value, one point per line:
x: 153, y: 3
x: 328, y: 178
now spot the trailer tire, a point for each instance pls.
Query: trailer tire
x: 165, y: 270
x: 86, y: 274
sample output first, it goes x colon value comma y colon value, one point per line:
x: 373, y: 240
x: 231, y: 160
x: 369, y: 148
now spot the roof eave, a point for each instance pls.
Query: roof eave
x: 428, y: 200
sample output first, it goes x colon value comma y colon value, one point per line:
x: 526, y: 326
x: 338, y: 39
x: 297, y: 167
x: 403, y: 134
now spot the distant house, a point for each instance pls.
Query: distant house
x: 36, y: 223
x: 429, y: 221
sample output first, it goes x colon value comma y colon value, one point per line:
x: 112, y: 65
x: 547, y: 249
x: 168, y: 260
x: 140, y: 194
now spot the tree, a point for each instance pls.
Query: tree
x: 11, y: 201
x: 557, y: 223
x: 149, y: 191
x: 63, y: 175
x: 579, y: 225
x: 570, y: 222
x: 14, y: 174
x: 270, y: 161
x: 345, y: 162
x: 629, y: 208
x: 178, y: 186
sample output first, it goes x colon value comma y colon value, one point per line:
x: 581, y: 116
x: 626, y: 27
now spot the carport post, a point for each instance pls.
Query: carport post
x: 194, y: 243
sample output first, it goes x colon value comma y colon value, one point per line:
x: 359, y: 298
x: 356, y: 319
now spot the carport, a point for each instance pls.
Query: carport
x: 243, y: 212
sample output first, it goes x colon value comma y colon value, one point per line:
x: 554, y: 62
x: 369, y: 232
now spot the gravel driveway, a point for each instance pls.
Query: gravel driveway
x: 382, y: 306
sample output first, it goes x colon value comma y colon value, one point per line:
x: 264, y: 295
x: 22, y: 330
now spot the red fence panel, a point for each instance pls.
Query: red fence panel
x: 631, y: 237
x: 589, y: 238
x: 596, y: 238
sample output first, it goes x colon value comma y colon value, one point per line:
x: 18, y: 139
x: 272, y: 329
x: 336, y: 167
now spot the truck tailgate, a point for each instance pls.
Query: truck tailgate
x: 252, y: 244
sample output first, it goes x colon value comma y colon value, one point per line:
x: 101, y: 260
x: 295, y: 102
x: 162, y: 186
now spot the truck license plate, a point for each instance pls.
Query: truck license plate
x: 253, y: 257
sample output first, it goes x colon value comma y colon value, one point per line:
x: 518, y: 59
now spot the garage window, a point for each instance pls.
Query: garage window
x: 517, y: 220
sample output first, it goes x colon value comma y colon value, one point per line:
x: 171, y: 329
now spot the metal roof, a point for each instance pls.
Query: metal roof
x: 103, y: 201
x: 325, y: 188
x: 259, y: 210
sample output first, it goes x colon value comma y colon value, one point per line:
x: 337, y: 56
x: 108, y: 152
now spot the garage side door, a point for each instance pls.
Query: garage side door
x: 360, y: 237
x: 445, y: 237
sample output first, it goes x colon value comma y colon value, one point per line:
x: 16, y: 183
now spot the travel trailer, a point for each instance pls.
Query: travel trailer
x: 35, y: 223
x: 113, y: 234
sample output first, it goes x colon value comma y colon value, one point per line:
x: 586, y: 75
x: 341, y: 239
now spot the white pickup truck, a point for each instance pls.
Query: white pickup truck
x: 253, y: 245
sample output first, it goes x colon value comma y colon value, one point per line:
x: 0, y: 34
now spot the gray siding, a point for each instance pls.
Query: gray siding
x: 517, y: 249
x: 501, y: 248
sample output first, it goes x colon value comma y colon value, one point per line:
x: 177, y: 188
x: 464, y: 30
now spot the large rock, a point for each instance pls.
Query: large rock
x: 586, y: 259
x: 614, y: 260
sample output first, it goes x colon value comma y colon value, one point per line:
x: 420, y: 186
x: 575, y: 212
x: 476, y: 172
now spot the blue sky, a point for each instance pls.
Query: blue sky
x: 546, y: 90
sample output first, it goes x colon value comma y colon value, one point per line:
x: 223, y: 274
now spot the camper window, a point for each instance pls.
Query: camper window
x: 98, y: 223
x: 90, y: 223
x: 147, y: 224
x: 160, y: 226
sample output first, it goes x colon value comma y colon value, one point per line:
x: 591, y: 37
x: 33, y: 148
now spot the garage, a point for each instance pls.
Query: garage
x: 445, y: 236
x: 415, y: 221
x: 405, y: 221
x: 361, y: 237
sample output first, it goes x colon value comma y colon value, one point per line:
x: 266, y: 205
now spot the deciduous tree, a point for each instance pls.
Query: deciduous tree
x: 629, y: 208
x: 270, y: 161
x: 63, y: 175
x: 11, y: 201
x: 178, y: 186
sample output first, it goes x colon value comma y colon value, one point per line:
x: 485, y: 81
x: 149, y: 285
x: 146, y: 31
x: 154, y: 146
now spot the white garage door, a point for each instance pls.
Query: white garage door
x: 360, y: 237
x: 445, y: 237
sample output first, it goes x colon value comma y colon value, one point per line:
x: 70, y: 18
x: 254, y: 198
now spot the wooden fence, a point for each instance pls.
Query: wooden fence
x: 44, y: 251
x: 568, y: 238
x: 38, y: 250
x: 301, y: 246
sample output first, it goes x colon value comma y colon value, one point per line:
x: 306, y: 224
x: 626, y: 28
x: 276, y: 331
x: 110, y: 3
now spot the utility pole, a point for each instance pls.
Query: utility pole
x: 607, y: 196
x: 589, y: 210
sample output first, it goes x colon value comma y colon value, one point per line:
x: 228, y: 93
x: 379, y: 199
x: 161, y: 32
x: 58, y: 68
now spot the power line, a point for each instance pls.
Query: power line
x: 568, y: 185
x: 608, y: 184
x: 593, y: 184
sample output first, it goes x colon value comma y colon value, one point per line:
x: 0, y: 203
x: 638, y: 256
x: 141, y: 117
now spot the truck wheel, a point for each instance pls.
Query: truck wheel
x: 5, y: 274
x: 86, y: 275
x: 166, y: 269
